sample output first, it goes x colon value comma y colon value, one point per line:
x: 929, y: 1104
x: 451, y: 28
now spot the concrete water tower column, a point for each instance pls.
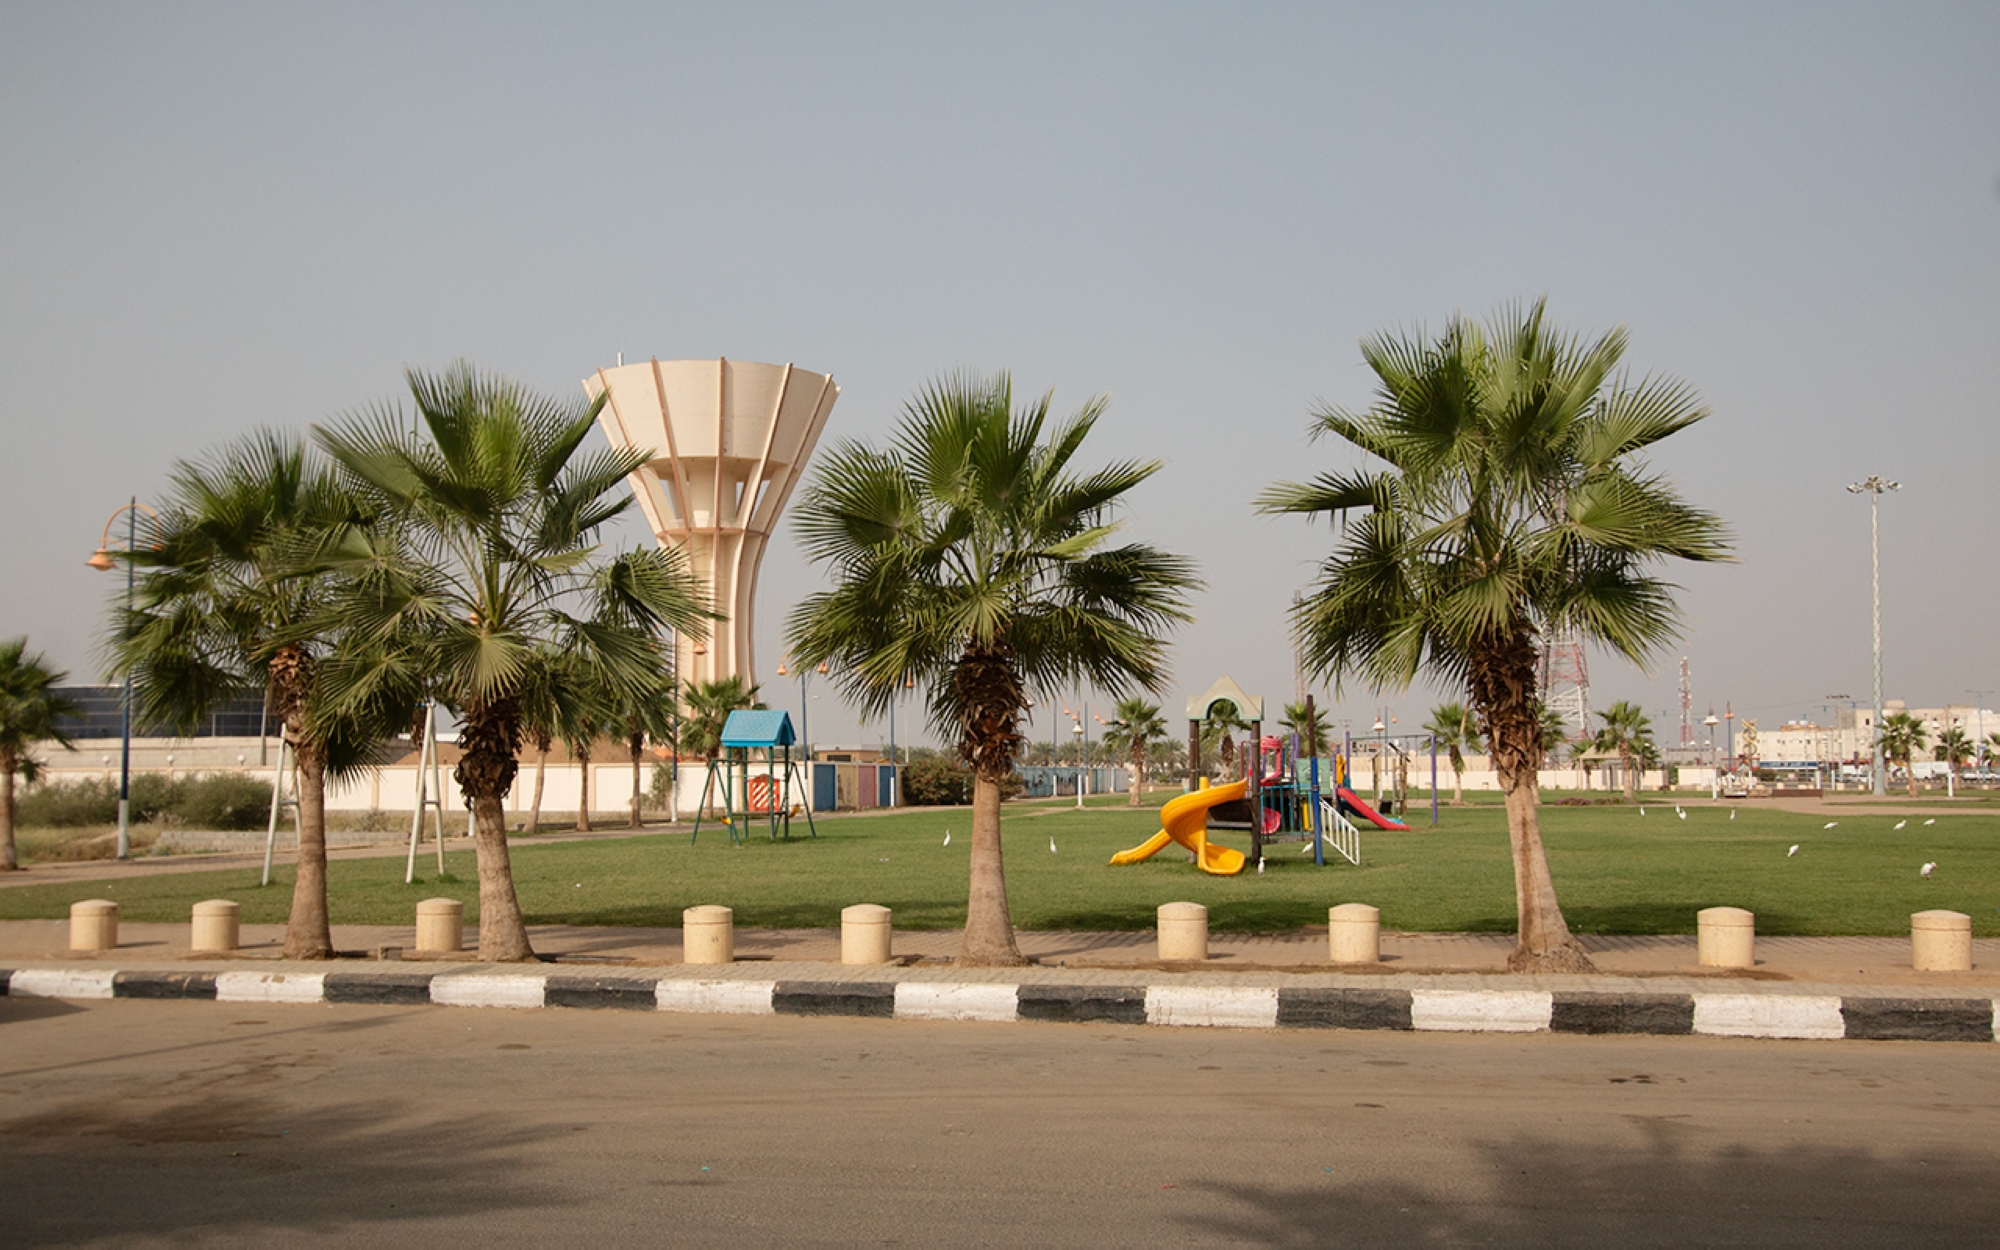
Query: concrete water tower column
x: 728, y: 441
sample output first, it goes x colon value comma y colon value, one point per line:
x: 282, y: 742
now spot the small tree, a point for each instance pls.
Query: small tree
x: 1505, y: 498
x: 1625, y: 728
x: 1456, y: 730
x: 972, y: 555
x: 1137, y: 727
x: 1903, y: 736
x: 1954, y: 747
x: 1314, y: 731
x: 491, y: 569
x: 709, y: 704
x: 232, y: 593
x: 1217, y: 730
x: 29, y: 709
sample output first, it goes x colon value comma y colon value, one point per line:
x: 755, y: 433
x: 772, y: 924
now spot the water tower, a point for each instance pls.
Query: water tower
x: 729, y: 439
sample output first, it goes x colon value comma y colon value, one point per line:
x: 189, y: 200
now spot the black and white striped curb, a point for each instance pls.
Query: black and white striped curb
x: 1766, y: 1014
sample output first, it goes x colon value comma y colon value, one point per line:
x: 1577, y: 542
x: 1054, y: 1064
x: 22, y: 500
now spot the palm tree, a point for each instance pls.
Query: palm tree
x: 491, y: 571
x: 709, y: 704
x: 1903, y: 735
x: 1455, y: 729
x: 1222, y: 721
x: 229, y: 597
x: 971, y: 554
x: 29, y: 709
x: 1314, y: 731
x: 642, y: 716
x: 1136, y: 727
x: 1625, y: 728
x: 1513, y: 501
x: 1954, y: 747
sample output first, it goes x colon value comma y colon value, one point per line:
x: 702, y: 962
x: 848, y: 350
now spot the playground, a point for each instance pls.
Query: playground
x: 1618, y: 873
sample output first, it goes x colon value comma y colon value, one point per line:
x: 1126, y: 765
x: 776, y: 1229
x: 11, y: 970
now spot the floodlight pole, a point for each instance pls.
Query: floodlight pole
x: 1874, y: 486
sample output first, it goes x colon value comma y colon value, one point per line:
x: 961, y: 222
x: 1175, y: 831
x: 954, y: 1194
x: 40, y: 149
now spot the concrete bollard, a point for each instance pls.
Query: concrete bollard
x: 864, y: 934
x: 1183, y: 933
x: 708, y: 935
x: 1727, y: 938
x: 93, y: 925
x: 217, y: 924
x: 440, y: 925
x: 1941, y: 941
x: 1354, y: 933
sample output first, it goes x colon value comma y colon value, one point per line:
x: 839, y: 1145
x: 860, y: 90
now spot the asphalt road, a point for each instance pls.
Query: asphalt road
x: 133, y: 1121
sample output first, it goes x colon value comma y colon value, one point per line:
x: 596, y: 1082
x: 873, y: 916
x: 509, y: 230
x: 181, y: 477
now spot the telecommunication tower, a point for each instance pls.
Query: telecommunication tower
x: 1565, y: 679
x: 1687, y: 706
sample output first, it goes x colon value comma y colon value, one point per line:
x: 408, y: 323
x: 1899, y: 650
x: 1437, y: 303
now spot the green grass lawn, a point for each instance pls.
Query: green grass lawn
x: 1615, y: 872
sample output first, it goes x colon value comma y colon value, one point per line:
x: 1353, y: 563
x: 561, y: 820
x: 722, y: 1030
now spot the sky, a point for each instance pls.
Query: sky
x: 219, y: 217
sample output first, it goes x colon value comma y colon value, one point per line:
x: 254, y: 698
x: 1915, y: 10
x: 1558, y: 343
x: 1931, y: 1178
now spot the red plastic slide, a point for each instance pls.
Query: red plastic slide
x: 1350, y: 802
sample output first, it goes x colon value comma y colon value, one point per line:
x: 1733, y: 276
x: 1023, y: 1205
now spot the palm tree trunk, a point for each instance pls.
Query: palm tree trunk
x: 638, y: 747
x: 1458, y: 787
x: 491, y: 737
x: 583, y: 799
x: 9, y: 858
x: 1138, y: 769
x: 1631, y: 782
x: 989, y: 928
x: 1503, y: 680
x: 535, y: 808
x: 309, y: 933
x: 503, y: 934
x: 1544, y: 943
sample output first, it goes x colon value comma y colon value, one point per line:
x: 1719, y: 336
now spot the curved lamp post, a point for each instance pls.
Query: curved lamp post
x: 104, y: 560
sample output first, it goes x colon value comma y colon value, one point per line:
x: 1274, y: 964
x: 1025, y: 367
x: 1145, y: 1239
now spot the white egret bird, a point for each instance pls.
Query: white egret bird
x: 1260, y: 865
x: 1829, y: 824
x: 1901, y: 823
x: 1732, y: 813
x: 1930, y: 822
x: 1925, y: 871
x: 1683, y: 815
x: 947, y: 837
x: 1052, y: 846
x: 1793, y: 851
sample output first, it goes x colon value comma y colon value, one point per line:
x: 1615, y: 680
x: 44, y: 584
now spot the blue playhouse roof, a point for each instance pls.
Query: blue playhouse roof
x: 758, y: 729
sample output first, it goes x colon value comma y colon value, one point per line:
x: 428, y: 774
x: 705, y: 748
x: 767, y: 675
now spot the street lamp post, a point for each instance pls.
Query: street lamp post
x: 1874, y: 486
x: 1714, y: 765
x: 104, y: 561
x: 1979, y: 711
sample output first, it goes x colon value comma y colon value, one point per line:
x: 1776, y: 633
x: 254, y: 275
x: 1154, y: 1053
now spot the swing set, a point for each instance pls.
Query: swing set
x: 766, y: 793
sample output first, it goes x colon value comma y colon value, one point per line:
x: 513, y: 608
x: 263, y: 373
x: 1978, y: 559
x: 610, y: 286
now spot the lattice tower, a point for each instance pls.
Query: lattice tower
x: 1565, y: 680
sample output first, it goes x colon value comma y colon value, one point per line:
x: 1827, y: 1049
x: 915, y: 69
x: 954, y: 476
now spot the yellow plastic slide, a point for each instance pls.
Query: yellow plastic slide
x: 1185, y: 820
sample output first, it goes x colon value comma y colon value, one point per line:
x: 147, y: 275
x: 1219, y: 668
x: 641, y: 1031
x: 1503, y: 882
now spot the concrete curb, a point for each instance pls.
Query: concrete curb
x: 1168, y: 1000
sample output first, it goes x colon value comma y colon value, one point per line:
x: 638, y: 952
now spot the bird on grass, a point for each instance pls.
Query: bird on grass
x: 1642, y: 809
x: 1829, y: 824
x: 1678, y: 812
x: 1901, y: 823
x: 1732, y: 813
x: 1052, y: 846
x: 947, y: 837
x: 1260, y: 865
x: 1931, y: 821
x: 1793, y: 851
x: 1925, y: 871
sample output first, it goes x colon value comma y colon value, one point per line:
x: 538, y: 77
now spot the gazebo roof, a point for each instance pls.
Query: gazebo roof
x: 758, y: 729
x: 1249, y: 707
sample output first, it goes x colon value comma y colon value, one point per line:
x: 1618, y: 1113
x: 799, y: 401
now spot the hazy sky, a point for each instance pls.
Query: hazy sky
x: 221, y: 216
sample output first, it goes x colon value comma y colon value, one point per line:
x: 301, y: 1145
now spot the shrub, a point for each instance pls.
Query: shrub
x: 222, y: 801
x: 69, y: 804
x: 933, y: 779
